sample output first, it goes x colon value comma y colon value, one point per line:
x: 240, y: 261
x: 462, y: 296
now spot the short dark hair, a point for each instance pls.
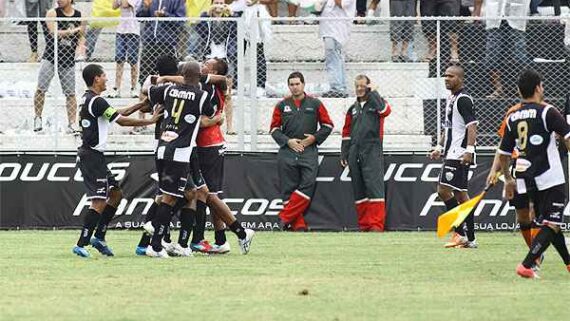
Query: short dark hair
x: 528, y: 80
x: 90, y: 72
x: 166, y: 65
x: 296, y: 74
x: 221, y: 66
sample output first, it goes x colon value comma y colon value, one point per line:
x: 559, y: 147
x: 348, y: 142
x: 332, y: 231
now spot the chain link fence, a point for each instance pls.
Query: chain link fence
x: 405, y: 57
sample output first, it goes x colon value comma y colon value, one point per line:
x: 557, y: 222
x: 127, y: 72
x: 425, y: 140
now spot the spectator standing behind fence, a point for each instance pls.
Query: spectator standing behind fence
x: 335, y: 34
x: 258, y: 31
x: 218, y: 38
x: 69, y: 35
x: 126, y: 45
x: 506, y: 40
x: 362, y: 152
x: 36, y: 9
x: 402, y: 31
x: 194, y: 9
x: 100, y: 9
x: 159, y: 37
x: 440, y: 8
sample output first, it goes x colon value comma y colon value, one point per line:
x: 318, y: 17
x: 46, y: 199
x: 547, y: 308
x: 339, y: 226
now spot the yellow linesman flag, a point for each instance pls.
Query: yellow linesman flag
x: 455, y: 216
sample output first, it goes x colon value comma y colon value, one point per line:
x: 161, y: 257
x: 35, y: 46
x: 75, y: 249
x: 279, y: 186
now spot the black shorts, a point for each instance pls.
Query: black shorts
x: 212, y: 167
x: 549, y: 205
x: 96, y: 176
x: 439, y: 8
x: 195, y: 174
x: 455, y: 175
x: 173, y: 178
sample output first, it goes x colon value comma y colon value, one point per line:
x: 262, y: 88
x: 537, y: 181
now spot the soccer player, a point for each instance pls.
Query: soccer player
x: 184, y: 104
x: 539, y: 174
x: 211, y: 151
x: 361, y: 151
x: 457, y: 145
x: 298, y: 125
x: 96, y: 116
x: 519, y: 202
x: 165, y: 66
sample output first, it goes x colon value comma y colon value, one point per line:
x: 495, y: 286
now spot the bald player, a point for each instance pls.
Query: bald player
x: 184, y: 104
x: 457, y: 147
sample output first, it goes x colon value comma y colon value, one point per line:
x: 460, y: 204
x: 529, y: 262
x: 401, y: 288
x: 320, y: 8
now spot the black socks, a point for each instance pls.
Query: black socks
x: 200, y: 227
x: 91, y: 219
x: 106, y: 217
x: 539, y: 245
x: 160, y: 223
x: 236, y: 228
x: 187, y: 216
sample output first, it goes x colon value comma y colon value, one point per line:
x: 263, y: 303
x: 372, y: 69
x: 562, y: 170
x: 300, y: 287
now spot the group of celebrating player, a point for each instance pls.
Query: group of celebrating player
x: 186, y: 100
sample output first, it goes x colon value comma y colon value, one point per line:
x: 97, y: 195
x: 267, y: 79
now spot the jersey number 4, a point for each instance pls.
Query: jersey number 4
x: 177, y: 110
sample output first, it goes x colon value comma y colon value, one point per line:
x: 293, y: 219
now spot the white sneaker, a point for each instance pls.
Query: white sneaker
x: 245, y: 244
x: 169, y: 247
x: 37, y: 124
x: 178, y: 250
x: 220, y: 249
x: 370, y: 14
x: 134, y: 93
x: 152, y: 253
x: 148, y: 228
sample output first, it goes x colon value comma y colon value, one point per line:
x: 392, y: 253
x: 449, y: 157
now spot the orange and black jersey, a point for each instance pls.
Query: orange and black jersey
x: 532, y: 131
x: 295, y: 118
x: 503, y: 126
x: 183, y: 106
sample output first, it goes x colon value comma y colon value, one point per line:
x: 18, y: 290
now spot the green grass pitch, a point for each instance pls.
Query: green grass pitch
x: 286, y: 276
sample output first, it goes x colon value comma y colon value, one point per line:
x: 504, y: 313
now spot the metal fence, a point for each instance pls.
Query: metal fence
x: 405, y: 57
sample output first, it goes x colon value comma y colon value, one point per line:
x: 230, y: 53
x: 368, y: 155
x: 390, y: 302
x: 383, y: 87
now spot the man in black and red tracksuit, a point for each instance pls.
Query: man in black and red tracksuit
x: 361, y: 150
x: 295, y: 128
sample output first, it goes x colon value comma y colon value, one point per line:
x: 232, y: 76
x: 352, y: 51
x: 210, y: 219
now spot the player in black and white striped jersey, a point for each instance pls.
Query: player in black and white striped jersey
x: 539, y: 174
x: 96, y: 117
x: 457, y: 146
x: 183, y: 106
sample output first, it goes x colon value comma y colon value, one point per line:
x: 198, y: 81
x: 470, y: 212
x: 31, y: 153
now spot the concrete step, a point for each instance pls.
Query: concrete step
x: 393, y: 79
x: 406, y: 117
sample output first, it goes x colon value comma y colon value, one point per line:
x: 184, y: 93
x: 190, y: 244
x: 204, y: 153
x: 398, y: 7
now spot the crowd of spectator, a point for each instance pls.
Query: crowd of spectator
x: 138, y: 43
